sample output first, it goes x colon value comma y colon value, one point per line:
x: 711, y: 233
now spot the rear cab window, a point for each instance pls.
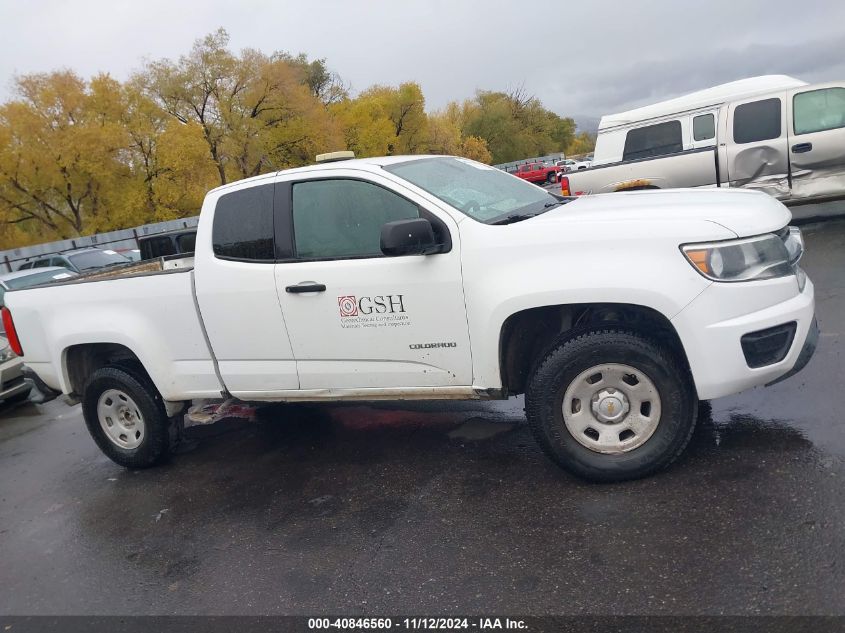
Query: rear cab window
x: 243, y: 225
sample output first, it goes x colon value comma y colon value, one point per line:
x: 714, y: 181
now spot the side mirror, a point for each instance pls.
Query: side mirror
x: 408, y: 237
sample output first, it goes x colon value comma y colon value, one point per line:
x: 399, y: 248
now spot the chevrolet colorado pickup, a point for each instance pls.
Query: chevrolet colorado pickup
x: 438, y: 277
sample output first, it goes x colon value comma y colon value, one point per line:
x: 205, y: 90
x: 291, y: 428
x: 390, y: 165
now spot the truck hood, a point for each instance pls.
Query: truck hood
x: 740, y: 211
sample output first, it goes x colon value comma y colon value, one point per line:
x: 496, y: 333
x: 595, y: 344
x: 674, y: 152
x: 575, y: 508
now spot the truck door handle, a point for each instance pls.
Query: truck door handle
x: 306, y: 286
x: 801, y: 148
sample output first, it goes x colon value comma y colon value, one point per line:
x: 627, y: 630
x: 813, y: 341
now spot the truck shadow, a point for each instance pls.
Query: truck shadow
x: 311, y: 490
x: 361, y: 432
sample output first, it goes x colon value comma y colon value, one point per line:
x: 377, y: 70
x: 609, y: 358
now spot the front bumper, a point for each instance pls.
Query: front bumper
x: 804, y: 355
x: 712, y: 326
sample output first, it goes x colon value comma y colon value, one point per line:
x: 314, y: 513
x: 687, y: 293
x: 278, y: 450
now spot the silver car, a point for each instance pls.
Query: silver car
x: 32, y: 277
x: 14, y: 387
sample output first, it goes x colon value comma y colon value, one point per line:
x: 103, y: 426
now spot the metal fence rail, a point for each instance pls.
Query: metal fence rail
x: 548, y: 158
x: 124, y: 238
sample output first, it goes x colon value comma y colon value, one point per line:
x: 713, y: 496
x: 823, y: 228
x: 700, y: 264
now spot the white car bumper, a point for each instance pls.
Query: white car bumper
x: 12, y: 381
x: 735, y: 338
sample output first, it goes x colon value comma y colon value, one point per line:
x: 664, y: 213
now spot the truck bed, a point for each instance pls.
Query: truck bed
x: 148, y: 267
x: 690, y: 168
x: 152, y: 300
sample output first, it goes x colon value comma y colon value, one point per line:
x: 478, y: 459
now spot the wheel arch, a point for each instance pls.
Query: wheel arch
x: 526, y: 335
x: 81, y: 360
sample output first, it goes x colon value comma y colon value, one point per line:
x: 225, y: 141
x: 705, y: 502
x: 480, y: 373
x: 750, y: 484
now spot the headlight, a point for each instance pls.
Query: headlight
x: 794, y: 242
x: 762, y: 257
x: 6, y: 354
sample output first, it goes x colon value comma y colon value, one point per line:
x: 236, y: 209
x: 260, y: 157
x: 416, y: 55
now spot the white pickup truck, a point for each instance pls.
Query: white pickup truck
x: 438, y: 278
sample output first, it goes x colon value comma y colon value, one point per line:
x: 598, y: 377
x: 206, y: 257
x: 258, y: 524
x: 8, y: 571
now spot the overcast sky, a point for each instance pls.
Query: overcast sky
x: 583, y: 58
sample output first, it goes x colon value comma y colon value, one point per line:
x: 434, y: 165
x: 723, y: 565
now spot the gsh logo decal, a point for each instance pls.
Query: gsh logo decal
x: 348, y: 306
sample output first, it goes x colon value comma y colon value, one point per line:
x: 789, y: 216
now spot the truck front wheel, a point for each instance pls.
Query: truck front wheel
x: 126, y: 417
x: 611, y: 405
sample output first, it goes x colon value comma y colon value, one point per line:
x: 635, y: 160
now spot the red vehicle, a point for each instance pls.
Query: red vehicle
x: 538, y: 172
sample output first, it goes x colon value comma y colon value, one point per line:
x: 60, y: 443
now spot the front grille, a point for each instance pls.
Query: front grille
x: 769, y: 346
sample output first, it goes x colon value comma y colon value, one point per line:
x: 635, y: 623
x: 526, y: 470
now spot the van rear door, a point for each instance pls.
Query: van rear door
x: 757, y: 145
x: 817, y: 140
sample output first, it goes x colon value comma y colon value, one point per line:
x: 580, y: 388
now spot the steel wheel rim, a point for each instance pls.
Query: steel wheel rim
x: 121, y: 419
x: 611, y: 408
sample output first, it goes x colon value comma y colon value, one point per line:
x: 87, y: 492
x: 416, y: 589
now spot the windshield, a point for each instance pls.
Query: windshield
x: 482, y: 192
x: 96, y: 259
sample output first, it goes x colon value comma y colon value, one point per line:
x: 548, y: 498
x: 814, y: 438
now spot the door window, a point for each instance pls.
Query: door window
x: 343, y: 218
x: 243, y: 225
x: 653, y: 140
x: 41, y: 263
x: 757, y: 121
x: 818, y: 110
x: 703, y: 127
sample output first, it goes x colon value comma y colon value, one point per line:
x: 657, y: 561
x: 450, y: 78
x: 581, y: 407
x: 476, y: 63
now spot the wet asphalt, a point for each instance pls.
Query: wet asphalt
x: 439, y: 508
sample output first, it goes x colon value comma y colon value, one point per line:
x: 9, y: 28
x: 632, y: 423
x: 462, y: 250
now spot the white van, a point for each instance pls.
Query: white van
x: 773, y: 133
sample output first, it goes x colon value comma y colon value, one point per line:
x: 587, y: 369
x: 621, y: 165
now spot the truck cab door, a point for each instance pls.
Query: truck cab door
x: 236, y: 291
x: 817, y: 141
x: 757, y: 145
x: 358, y: 319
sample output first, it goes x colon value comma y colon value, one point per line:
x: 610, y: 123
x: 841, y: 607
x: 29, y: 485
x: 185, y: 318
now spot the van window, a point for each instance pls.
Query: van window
x: 243, y: 225
x: 757, y: 121
x: 703, y: 127
x: 653, y: 140
x: 818, y: 110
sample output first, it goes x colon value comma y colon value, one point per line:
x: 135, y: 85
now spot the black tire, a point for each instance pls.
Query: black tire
x: 551, y: 178
x: 156, y: 443
x: 567, y: 360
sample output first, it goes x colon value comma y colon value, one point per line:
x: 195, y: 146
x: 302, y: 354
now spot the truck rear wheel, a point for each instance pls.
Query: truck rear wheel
x: 125, y: 415
x: 552, y: 177
x: 611, y: 405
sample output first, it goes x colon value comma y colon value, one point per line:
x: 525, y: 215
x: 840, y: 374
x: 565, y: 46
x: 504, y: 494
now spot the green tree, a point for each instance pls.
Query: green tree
x: 515, y: 125
x: 582, y: 143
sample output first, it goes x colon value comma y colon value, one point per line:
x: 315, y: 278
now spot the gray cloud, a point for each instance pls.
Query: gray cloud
x: 628, y: 85
x: 588, y: 58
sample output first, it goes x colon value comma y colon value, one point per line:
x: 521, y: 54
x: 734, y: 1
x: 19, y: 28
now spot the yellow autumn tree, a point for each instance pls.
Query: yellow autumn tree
x: 79, y: 156
x: 60, y: 144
